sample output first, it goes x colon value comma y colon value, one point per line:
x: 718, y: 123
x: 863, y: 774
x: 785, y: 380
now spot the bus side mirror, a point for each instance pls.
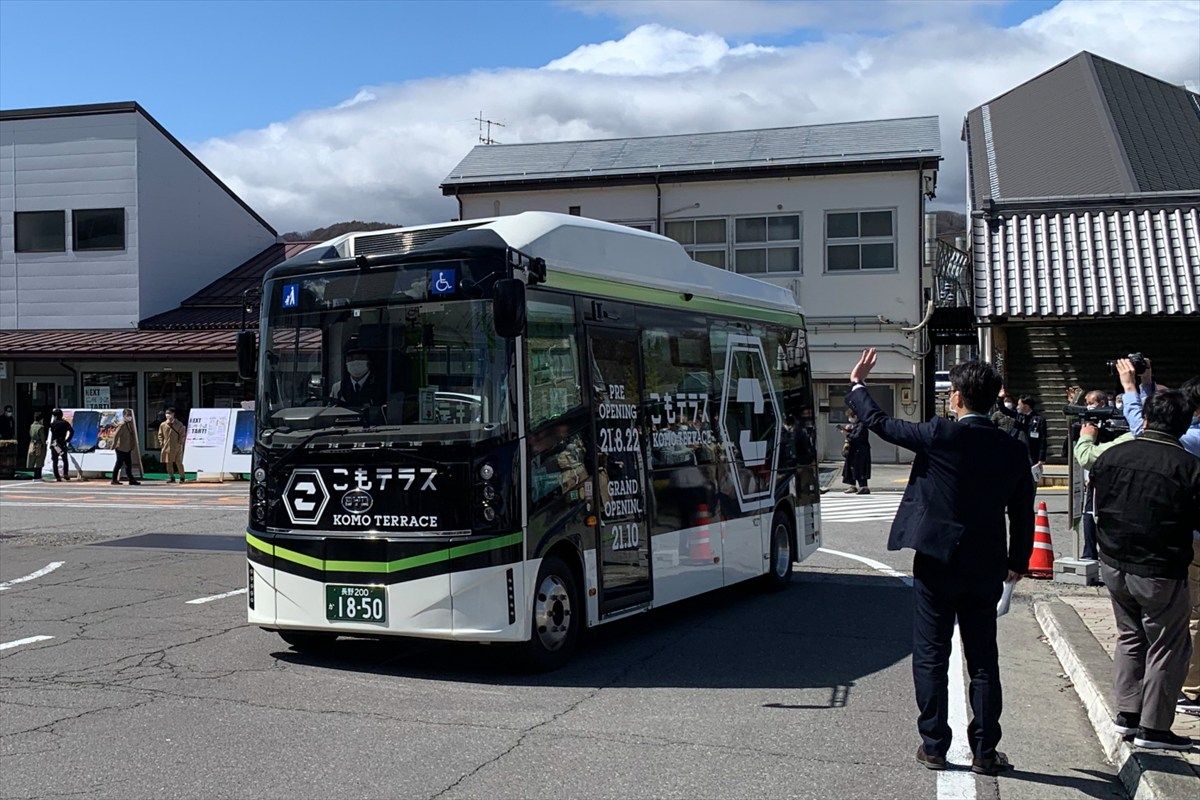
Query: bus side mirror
x: 247, y: 355
x: 508, y: 308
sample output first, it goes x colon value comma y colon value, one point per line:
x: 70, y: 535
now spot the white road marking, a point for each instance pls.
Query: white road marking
x: 872, y: 563
x: 860, y: 508
x: 29, y: 640
x: 46, y: 570
x: 952, y: 784
x: 220, y: 596
x: 957, y: 784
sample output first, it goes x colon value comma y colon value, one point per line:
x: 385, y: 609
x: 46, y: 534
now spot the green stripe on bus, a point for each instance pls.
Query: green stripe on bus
x: 664, y: 297
x: 398, y: 565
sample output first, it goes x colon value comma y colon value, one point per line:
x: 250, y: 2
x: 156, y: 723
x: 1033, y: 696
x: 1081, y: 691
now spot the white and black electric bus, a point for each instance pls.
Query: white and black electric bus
x: 508, y: 429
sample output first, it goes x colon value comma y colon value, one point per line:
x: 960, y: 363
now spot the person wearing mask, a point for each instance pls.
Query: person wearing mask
x: 124, y: 442
x: 1093, y: 400
x: 1031, y: 431
x: 60, y: 436
x: 172, y: 435
x: 36, y: 456
x: 1147, y: 506
x: 1005, y: 421
x: 857, y: 450
x: 967, y: 477
x: 358, y: 388
x: 8, y: 426
x: 1134, y: 396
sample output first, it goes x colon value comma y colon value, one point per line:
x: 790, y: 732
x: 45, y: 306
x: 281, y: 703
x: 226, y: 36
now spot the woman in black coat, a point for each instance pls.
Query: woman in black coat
x: 857, y: 469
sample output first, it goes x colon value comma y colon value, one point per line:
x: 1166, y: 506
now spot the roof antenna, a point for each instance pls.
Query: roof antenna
x: 486, y: 138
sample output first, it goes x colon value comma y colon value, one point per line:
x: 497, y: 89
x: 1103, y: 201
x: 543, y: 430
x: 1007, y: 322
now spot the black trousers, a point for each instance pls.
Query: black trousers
x: 945, y: 594
x: 55, y: 455
x: 124, y: 458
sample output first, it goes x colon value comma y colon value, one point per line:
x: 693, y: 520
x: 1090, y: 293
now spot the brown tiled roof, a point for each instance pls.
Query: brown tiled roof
x: 126, y: 344
x: 218, y: 306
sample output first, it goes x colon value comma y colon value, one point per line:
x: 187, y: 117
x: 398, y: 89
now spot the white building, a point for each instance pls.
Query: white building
x: 833, y: 212
x: 105, y: 219
x: 108, y: 222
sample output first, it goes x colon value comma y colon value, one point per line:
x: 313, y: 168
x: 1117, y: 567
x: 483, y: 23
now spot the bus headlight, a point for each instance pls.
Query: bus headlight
x: 489, y: 513
x: 486, y: 472
x: 260, y: 474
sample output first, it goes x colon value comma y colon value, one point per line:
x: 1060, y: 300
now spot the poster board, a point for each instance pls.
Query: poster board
x: 240, y: 444
x: 91, y: 446
x: 208, y: 432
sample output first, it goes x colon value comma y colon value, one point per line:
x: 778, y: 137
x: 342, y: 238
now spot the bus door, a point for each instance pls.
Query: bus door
x: 618, y: 469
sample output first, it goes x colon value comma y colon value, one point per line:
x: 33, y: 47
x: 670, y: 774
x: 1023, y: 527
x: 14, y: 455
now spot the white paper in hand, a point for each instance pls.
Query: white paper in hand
x: 1005, y: 599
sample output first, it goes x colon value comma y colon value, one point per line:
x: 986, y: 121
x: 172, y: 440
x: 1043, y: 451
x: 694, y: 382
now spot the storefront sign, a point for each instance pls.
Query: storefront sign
x: 97, y: 397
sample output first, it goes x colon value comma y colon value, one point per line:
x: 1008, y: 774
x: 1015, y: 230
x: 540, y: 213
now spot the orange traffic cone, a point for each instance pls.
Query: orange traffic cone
x: 700, y: 546
x: 1041, y: 562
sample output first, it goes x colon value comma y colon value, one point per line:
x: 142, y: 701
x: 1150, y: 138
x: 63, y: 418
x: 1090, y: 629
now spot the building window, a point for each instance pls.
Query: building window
x: 224, y: 390
x: 766, y: 244
x: 860, y: 240
x: 110, y: 390
x: 41, y: 231
x: 168, y: 389
x: 98, y: 229
x: 705, y: 240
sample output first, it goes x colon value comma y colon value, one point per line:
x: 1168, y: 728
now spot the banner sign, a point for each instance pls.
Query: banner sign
x: 97, y: 397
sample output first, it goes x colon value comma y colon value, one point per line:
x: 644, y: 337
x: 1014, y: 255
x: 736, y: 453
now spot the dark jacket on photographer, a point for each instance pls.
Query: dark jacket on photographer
x: 1147, y: 505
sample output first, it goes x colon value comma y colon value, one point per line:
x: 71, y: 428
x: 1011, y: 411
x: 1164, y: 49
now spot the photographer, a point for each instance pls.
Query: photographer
x: 1135, y: 396
x: 1094, y: 400
x: 1147, y: 495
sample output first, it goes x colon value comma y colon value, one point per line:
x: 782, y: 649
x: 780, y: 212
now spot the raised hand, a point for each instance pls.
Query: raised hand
x: 866, y: 362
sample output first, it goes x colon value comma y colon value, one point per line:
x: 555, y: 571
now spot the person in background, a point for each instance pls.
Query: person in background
x: 124, y: 440
x: 1004, y: 421
x: 8, y: 426
x: 60, y: 436
x: 1135, y: 396
x: 1031, y: 430
x: 36, y: 455
x: 1147, y: 506
x: 857, y: 450
x: 967, y: 477
x: 1093, y: 400
x: 171, y: 436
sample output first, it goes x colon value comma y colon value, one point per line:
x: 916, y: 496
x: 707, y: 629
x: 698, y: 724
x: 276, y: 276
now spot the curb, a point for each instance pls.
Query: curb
x: 1145, y: 775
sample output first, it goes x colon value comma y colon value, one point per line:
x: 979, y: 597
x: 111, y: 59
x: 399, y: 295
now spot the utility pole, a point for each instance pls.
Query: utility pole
x: 486, y: 138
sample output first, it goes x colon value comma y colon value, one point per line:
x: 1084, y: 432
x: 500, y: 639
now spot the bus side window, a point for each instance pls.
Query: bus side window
x: 551, y: 360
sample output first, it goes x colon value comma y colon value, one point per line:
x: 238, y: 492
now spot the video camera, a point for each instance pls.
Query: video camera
x: 1137, y: 359
x: 1105, y: 417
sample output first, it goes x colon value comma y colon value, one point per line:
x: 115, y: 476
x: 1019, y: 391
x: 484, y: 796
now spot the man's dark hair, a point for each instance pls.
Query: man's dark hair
x: 8, y: 408
x: 1168, y: 412
x: 1028, y: 400
x: 1191, y: 393
x: 978, y: 382
x: 169, y: 410
x: 57, y: 413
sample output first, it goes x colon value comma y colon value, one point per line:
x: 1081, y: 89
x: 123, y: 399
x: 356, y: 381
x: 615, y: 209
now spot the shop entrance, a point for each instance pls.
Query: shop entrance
x: 37, y: 398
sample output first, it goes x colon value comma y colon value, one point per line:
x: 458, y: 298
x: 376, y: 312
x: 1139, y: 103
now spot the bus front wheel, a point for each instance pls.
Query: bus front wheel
x: 782, y: 557
x: 556, y: 617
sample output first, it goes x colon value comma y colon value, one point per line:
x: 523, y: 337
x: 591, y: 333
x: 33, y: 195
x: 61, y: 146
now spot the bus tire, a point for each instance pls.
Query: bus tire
x: 782, y: 553
x: 308, y: 641
x: 556, y: 617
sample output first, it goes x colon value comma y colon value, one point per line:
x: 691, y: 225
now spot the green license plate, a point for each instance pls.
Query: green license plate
x: 356, y: 603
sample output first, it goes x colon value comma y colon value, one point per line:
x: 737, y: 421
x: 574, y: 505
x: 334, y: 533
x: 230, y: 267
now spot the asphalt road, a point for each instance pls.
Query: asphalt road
x: 805, y: 693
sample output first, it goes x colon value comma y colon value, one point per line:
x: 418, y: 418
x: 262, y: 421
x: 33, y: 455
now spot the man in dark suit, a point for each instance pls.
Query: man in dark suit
x: 966, y: 477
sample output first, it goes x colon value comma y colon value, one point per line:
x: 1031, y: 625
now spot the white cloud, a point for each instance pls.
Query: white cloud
x: 382, y: 154
x: 654, y: 50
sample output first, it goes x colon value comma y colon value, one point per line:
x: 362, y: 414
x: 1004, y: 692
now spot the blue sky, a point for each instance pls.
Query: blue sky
x: 213, y: 68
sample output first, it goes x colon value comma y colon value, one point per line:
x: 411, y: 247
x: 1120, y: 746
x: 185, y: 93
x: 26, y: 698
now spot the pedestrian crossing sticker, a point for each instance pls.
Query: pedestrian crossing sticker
x: 291, y: 295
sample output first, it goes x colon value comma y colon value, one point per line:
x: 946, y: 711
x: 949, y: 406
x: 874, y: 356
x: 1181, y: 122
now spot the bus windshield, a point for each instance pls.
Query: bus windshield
x: 369, y: 351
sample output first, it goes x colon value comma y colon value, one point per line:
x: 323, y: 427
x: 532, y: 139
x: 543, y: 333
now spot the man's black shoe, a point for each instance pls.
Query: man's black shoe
x: 1186, y: 705
x: 994, y: 764
x: 1127, y: 723
x: 1161, y: 740
x: 929, y: 761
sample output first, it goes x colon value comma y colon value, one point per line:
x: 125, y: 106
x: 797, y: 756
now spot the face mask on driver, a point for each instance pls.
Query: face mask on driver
x: 357, y: 369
